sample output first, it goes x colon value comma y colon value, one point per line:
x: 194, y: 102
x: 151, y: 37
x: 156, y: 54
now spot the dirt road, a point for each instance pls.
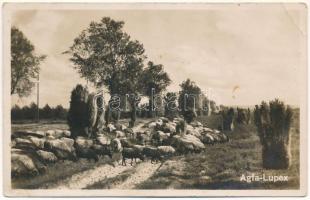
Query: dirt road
x: 135, y: 175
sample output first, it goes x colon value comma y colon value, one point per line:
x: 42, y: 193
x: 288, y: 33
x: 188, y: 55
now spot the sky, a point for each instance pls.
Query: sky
x: 240, y: 53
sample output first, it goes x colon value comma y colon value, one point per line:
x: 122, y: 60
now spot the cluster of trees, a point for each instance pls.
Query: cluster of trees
x: 31, y: 112
x: 106, y: 56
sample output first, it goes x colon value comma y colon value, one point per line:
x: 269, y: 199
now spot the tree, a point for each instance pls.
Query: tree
x: 59, y: 112
x: 47, y: 112
x: 78, y: 115
x: 106, y: 56
x: 171, y: 107
x: 228, y: 115
x: 24, y: 64
x: 16, y: 113
x: 155, y: 81
x: 33, y: 111
x: 189, y: 100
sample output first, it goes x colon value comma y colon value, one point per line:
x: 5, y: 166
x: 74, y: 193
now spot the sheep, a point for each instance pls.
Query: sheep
x: 207, y: 138
x: 110, y: 128
x: 153, y: 153
x: 63, y: 149
x: 131, y: 153
x: 116, y: 145
x: 102, y: 150
x: 158, y: 137
x: 129, y: 133
x: 126, y: 143
x: 142, y: 138
x: 46, y: 157
x: 168, y: 128
x: 166, y: 151
x: 89, y: 154
x: 84, y: 149
x: 103, y: 140
x: 120, y: 134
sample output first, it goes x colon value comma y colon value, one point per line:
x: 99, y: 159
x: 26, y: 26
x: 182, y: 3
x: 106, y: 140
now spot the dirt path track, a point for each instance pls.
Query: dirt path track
x: 140, y: 172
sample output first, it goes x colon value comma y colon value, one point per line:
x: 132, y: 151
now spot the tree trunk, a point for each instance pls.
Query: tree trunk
x: 107, y: 115
x: 133, y: 115
x: 151, y: 112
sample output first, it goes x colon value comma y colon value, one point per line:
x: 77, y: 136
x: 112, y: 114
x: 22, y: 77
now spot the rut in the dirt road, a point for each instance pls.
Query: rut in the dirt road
x: 140, y: 172
x: 143, y: 171
x: 89, y: 177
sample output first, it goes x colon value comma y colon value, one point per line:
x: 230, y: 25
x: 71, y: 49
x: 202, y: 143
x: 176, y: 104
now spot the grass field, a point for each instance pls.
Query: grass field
x: 219, y: 167
x: 222, y: 165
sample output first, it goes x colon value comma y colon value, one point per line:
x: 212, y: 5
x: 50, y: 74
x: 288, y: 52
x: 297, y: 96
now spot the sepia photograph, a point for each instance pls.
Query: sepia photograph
x: 145, y: 99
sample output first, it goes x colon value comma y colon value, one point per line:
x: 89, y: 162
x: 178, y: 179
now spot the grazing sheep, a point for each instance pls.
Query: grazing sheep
x: 164, y: 119
x: 125, y: 143
x: 102, y: 150
x: 187, y: 144
x: 83, y: 142
x: 152, y: 125
x: 129, y: 133
x: 116, y: 145
x: 110, y: 128
x: 168, y: 128
x: 158, y: 137
x: 103, y: 140
x: 50, y: 133
x: 166, y: 151
x: 87, y: 153
x: 207, y: 138
x: 25, y: 163
x: 120, y: 127
x: 196, y: 124
x: 142, y: 138
x: 24, y: 143
x: 131, y: 153
x: 120, y: 134
x: 63, y: 149
x: 46, y: 157
x: 153, y: 153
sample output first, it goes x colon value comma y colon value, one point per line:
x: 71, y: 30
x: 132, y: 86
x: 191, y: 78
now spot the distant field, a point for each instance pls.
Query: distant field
x: 219, y: 167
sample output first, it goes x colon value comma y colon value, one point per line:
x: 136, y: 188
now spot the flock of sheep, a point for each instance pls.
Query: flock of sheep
x: 157, y: 140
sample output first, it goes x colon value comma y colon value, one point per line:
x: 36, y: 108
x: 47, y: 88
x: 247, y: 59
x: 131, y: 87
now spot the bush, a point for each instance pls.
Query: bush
x: 228, y: 118
x: 273, y: 124
x: 78, y: 115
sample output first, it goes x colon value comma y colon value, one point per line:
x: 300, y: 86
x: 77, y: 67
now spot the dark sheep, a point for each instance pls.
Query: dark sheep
x: 131, y: 153
x: 87, y: 153
x: 125, y: 143
x: 102, y: 150
x: 152, y: 153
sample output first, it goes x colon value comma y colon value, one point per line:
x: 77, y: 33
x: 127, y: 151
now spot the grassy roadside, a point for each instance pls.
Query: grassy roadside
x: 222, y: 165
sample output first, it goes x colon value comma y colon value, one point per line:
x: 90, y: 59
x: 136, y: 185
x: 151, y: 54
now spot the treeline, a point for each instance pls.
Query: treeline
x: 30, y: 112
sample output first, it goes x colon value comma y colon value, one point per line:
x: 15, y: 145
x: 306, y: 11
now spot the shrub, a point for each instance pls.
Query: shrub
x: 273, y: 124
x: 78, y: 115
x: 228, y: 118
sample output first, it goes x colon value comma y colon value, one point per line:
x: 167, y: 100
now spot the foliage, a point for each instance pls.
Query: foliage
x: 241, y: 116
x: 171, y: 107
x: 228, y: 118
x: 78, y: 115
x: 273, y: 124
x: 24, y: 64
x: 106, y: 55
x: 189, y: 100
x: 155, y: 80
x: 30, y: 112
